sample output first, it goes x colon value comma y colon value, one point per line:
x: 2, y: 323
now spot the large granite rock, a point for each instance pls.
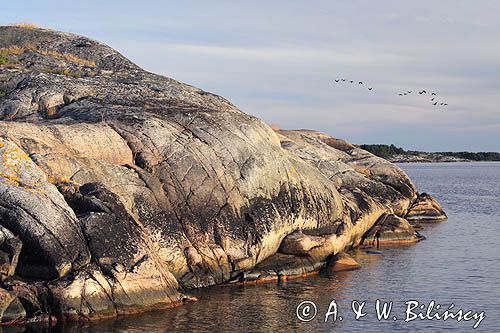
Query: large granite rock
x: 125, y: 188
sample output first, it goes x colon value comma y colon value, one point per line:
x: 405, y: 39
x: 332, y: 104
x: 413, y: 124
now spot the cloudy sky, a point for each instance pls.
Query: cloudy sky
x: 277, y: 60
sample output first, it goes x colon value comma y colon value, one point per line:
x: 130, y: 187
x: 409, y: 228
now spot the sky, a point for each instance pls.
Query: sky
x: 277, y: 60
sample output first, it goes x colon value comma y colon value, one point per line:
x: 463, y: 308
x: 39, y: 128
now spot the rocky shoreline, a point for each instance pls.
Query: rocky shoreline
x: 426, y: 158
x: 399, y: 155
x: 121, y: 190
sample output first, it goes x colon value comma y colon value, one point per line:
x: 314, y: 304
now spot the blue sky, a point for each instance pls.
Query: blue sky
x: 277, y: 60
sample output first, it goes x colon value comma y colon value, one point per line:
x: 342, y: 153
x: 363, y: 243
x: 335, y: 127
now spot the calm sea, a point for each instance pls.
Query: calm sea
x: 458, y: 263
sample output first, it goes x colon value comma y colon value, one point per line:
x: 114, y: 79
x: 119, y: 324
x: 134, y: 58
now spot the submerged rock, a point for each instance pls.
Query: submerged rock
x: 374, y: 252
x: 121, y: 189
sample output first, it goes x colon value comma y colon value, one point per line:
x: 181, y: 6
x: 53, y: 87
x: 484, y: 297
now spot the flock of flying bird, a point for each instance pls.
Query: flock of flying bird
x: 351, y: 81
x: 423, y: 91
x: 433, y: 95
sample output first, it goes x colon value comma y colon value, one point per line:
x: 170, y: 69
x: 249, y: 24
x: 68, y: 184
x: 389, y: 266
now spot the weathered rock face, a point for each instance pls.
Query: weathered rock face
x: 123, y: 188
x: 33, y: 209
x: 352, y: 168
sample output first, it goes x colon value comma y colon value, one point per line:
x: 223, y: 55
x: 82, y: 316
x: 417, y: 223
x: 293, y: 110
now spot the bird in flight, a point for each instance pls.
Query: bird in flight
x: 432, y: 96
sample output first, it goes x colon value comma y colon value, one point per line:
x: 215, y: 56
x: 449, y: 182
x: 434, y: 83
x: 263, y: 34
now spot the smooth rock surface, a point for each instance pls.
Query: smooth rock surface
x: 298, y: 243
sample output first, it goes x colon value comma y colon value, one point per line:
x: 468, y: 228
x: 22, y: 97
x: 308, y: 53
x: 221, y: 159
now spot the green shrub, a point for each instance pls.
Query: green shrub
x: 67, y: 72
x: 3, y: 58
x: 2, y: 93
x: 388, y: 151
x: 384, y: 151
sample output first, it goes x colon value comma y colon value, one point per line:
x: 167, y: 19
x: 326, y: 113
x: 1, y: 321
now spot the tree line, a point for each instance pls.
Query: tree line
x: 388, y: 151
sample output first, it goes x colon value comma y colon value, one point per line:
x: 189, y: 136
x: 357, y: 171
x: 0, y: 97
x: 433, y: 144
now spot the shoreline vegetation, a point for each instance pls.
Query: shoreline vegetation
x: 399, y: 155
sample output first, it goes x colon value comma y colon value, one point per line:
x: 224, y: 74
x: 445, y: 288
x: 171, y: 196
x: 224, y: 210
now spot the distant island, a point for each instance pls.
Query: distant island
x: 399, y: 155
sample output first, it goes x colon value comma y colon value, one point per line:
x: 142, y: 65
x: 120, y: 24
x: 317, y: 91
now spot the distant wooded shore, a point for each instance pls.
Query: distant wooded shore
x: 400, y: 155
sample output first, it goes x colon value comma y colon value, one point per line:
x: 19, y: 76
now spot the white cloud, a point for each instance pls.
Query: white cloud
x: 286, y: 54
x: 277, y: 60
